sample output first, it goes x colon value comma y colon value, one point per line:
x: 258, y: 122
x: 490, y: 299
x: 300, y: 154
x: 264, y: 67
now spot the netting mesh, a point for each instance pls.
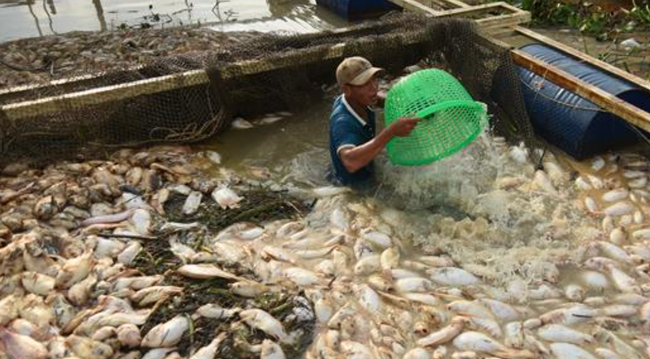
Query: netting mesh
x: 193, y: 96
x: 451, y: 119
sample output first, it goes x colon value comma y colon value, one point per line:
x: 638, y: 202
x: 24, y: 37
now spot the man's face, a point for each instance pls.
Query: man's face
x: 365, y: 95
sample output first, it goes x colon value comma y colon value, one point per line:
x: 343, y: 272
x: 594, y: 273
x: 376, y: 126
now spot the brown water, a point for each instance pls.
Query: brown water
x: 30, y: 18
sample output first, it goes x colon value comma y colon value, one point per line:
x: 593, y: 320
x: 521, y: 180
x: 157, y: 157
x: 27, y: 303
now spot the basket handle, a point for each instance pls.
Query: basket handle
x: 448, y: 104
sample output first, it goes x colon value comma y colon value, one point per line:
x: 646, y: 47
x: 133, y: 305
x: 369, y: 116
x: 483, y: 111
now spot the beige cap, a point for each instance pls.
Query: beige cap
x: 355, y: 71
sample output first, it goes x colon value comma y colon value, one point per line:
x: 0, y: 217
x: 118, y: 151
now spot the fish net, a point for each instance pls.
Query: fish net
x: 193, y: 96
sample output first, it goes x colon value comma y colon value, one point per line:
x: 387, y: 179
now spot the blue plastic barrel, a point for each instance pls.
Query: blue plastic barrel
x: 570, y: 122
x: 355, y: 9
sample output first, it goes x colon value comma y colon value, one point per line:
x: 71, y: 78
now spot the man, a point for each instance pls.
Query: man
x: 353, y: 144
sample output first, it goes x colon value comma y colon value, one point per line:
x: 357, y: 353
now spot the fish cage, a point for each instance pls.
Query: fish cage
x: 190, y: 97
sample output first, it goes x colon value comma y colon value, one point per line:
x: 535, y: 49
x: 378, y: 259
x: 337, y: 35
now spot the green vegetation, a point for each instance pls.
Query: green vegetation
x: 588, y: 17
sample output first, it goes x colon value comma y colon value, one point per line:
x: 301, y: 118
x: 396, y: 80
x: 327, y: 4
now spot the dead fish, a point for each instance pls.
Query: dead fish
x: 214, y: 311
x: 591, y: 205
x: 329, y: 191
x: 471, y: 308
x: 574, y: 314
x: 574, y: 292
x: 445, y: 334
x: 378, y: 239
x: 597, y: 164
x: 619, y: 209
x: 209, y: 351
x: 87, y: 348
x: 18, y: 346
x: 413, y: 284
x: 638, y: 183
x: 570, y: 351
x: 315, y: 253
x: 129, y: 253
x: 136, y: 283
x: 616, y: 195
x: 192, y: 203
x: 241, y: 124
x: 417, y: 353
x: 479, y: 342
x: 618, y: 236
x: 121, y: 318
x: 452, y: 276
x: 622, y: 281
x: 203, y: 271
x: 561, y: 333
x: 129, y: 335
x: 108, y: 218
x: 614, y: 252
x: 605, y: 353
x: 259, y: 319
x: 230, y: 251
x: 141, y: 221
x: 226, y: 198
x: 616, y: 343
x: 489, y: 326
x: 158, y: 353
x: 248, y: 288
x: 641, y: 233
x: 75, y: 270
x: 79, y: 293
x: 271, y: 350
x: 503, y: 311
x: 153, y: 294
x: 166, y: 334
x: 582, y: 184
x: 369, y: 299
x: 38, y: 283
x: 596, y: 182
x: 302, y: 277
x: 368, y: 265
x: 213, y: 156
x: 269, y: 252
x: 541, y: 182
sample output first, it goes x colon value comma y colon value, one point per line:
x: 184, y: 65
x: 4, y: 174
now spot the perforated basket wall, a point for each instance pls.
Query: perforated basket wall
x: 451, y: 118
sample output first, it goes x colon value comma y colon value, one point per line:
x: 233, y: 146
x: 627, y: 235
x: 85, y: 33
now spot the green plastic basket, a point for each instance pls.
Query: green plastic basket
x: 451, y: 118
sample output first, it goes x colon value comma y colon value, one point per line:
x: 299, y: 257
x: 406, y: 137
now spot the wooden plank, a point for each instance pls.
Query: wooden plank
x: 605, y: 100
x: 479, y: 9
x: 451, y: 3
x: 585, y: 58
x: 415, y: 6
x: 103, y: 94
x: 505, y: 21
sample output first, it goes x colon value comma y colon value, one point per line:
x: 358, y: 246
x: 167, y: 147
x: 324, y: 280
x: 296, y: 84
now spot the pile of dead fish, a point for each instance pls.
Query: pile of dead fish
x: 74, y: 236
x: 93, y: 268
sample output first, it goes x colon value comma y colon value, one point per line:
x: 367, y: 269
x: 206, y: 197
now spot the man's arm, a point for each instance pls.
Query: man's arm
x: 356, y: 158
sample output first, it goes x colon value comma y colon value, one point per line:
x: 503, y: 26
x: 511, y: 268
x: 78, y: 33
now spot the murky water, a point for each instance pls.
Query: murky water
x: 523, y: 234
x: 30, y: 18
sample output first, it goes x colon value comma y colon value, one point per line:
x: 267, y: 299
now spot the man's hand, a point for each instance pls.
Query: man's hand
x: 403, y: 126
